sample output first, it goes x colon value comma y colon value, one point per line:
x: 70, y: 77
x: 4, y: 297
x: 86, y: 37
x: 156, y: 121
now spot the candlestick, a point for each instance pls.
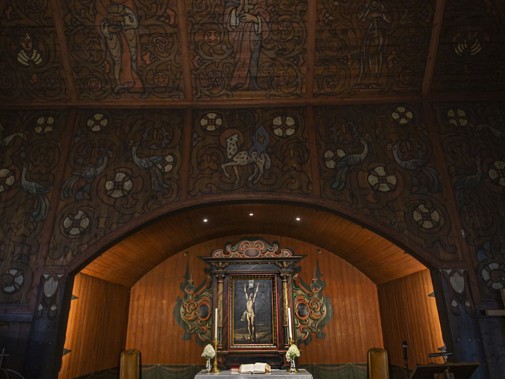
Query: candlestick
x: 215, y: 324
x: 215, y: 369
x: 289, y: 325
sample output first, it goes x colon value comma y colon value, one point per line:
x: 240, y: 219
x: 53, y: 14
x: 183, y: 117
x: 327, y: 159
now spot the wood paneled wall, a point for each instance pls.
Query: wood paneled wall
x: 354, y: 328
x: 409, y: 314
x: 96, y: 328
x: 152, y: 328
x: 363, y: 316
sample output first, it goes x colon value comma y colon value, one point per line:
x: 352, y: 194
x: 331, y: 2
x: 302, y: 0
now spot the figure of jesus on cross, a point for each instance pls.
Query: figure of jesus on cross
x: 249, y: 314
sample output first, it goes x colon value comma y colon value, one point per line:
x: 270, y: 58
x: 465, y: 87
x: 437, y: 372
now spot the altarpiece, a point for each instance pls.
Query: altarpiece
x: 252, y: 284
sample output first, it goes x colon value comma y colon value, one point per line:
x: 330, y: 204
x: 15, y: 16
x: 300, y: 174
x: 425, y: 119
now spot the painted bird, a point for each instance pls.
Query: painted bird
x: 418, y: 165
x: 5, y: 140
x: 467, y: 182
x: 349, y: 161
x: 153, y: 165
x: 40, y: 192
x: 79, y: 183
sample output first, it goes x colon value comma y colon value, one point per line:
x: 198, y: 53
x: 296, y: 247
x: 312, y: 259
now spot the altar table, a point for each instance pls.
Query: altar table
x: 275, y: 374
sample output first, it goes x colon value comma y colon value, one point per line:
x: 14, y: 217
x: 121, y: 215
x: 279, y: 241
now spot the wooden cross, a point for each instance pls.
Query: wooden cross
x: 498, y: 312
x: 2, y: 355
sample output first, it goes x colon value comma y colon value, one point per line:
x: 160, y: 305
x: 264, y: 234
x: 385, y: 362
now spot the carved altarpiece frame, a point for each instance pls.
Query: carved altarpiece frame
x: 237, y: 271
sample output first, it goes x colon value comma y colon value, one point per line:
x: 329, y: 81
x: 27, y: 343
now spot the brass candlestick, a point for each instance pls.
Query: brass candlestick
x: 215, y: 369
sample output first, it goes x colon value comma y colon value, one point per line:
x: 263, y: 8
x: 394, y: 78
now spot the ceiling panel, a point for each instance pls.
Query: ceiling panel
x: 106, y: 54
x: 184, y: 52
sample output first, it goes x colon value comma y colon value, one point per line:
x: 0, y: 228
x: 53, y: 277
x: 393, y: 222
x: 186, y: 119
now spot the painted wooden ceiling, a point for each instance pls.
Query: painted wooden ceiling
x: 248, y: 53
x: 185, y: 53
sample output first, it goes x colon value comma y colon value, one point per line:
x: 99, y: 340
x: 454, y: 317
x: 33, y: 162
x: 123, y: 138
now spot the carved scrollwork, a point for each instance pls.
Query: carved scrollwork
x: 312, y: 310
x: 193, y: 312
x: 247, y: 249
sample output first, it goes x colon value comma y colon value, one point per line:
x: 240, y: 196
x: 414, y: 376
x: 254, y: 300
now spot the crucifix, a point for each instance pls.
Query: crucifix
x: 498, y: 312
x: 2, y: 355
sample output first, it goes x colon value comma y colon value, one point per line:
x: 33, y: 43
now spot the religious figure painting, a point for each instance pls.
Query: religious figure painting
x: 247, y: 23
x: 252, y: 312
x: 376, y: 16
x: 118, y: 24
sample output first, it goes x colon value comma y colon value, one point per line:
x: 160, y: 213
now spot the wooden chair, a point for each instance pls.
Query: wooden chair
x: 378, y: 365
x: 129, y: 364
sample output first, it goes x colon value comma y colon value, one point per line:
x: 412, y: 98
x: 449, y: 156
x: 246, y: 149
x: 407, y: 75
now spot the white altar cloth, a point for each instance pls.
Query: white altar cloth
x: 275, y: 374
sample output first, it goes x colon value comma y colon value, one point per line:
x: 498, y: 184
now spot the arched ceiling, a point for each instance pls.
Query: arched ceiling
x: 182, y: 54
x: 134, y: 256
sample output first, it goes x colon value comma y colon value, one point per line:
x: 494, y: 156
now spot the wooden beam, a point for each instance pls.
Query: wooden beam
x: 311, y: 51
x: 185, y: 55
x: 65, y: 55
x: 433, y: 49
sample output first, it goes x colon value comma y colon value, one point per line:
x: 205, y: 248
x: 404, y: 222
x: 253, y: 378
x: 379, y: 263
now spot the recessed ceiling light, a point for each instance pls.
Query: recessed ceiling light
x: 205, y: 220
x: 298, y: 219
x: 251, y: 214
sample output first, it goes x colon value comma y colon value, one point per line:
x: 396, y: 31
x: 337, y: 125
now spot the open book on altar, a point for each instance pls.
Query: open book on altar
x: 255, y: 368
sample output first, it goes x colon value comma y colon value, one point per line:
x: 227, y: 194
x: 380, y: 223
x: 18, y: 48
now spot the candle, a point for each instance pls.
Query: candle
x: 215, y: 324
x: 289, y: 324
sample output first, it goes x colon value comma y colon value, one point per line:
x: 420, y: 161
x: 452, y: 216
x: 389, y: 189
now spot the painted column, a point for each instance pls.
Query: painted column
x: 285, y: 305
x: 459, y: 319
x: 220, y: 291
x: 47, y: 335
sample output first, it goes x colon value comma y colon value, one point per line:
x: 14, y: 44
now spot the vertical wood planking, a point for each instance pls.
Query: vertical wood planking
x: 354, y: 328
x: 408, y: 313
x: 152, y: 310
x: 358, y: 323
x: 96, y: 327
